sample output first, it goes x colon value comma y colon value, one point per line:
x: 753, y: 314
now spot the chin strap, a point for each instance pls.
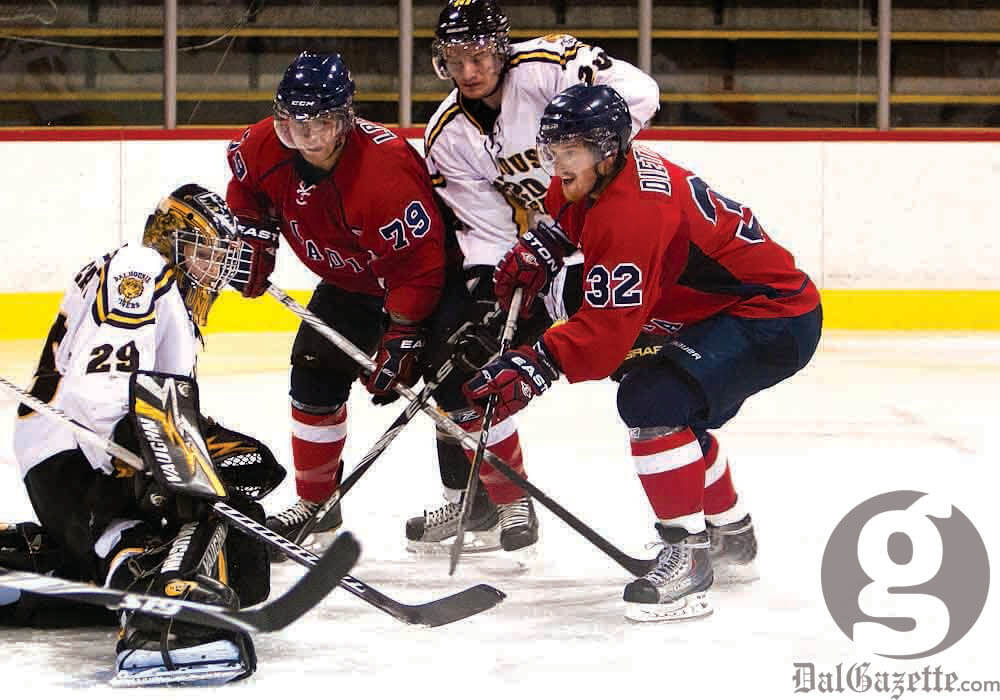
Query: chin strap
x: 602, y: 180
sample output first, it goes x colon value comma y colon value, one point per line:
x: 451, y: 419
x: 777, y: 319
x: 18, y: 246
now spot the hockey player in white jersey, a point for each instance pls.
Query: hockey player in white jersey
x: 138, y: 310
x: 480, y: 150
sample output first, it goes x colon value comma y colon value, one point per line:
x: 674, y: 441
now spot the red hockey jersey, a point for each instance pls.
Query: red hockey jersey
x: 370, y: 226
x: 662, y: 250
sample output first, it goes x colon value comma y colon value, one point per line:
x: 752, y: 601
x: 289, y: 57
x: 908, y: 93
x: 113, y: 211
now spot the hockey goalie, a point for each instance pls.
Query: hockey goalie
x: 120, y: 361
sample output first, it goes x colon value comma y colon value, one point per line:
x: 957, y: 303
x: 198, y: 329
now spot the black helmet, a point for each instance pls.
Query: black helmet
x: 470, y: 22
x: 196, y: 232
x: 596, y: 114
x: 314, y: 85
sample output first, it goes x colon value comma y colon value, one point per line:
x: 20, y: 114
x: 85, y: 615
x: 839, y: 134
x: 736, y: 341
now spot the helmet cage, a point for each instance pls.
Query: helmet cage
x: 208, y: 262
x: 195, y: 231
x: 497, y: 44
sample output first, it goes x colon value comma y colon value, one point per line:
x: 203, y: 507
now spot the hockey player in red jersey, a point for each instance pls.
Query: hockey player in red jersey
x: 687, y: 302
x: 354, y: 202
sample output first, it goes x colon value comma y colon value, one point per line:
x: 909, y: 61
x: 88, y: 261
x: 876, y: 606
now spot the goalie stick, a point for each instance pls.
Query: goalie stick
x: 636, y: 567
x: 328, y: 572
x: 434, y: 613
x: 484, y: 431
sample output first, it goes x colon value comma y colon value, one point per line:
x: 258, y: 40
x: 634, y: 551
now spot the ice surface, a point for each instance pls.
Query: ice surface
x: 872, y: 413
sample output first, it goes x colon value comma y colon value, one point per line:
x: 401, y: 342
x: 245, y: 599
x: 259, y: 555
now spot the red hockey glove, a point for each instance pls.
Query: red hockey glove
x: 516, y: 377
x: 397, y: 361
x: 531, y: 264
x: 260, y: 248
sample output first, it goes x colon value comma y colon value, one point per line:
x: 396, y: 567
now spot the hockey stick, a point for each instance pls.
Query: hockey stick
x: 637, y: 567
x: 491, y: 404
x: 264, y: 617
x: 436, y: 612
x: 432, y: 614
x: 388, y: 436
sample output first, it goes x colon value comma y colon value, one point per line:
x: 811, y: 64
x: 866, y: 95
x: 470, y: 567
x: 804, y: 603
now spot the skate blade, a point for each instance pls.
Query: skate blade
x: 735, y: 574
x: 476, y: 542
x: 691, y: 606
x: 317, y: 543
x: 215, y: 674
x: 507, y: 563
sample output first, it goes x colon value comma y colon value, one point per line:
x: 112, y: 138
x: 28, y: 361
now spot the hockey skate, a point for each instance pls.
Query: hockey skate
x: 677, y: 587
x: 433, y: 532
x: 734, y: 552
x: 518, y: 525
x: 289, y: 523
x: 152, y: 651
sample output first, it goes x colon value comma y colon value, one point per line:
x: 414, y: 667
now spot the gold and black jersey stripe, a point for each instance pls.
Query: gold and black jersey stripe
x: 164, y: 281
x: 483, y: 121
x: 545, y: 56
x: 439, y: 125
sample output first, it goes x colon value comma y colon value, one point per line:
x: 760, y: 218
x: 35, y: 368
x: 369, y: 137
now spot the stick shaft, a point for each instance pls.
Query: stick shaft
x: 509, y: 328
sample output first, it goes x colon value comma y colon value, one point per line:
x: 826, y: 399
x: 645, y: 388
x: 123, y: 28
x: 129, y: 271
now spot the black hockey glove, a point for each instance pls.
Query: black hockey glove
x: 397, y: 361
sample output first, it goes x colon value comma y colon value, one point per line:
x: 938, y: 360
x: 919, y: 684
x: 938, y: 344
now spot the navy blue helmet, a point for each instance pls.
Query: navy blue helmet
x: 470, y: 22
x: 596, y: 114
x: 313, y: 86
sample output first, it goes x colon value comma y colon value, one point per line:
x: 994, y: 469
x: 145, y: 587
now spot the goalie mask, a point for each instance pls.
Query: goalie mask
x: 193, y: 229
x: 470, y: 30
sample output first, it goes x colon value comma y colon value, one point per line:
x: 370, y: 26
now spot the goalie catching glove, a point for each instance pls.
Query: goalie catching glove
x: 397, y: 361
x: 531, y: 264
x: 516, y: 377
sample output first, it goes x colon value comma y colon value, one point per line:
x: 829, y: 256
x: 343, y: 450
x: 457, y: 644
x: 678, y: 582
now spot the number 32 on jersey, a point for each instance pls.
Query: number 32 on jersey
x: 615, y: 288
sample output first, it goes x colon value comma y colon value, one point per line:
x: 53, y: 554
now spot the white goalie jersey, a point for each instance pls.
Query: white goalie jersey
x: 122, y: 313
x: 490, y: 175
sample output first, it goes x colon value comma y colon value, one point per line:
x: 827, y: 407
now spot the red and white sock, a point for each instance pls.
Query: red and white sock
x: 317, y: 443
x: 720, y: 496
x: 672, y: 471
x: 505, y: 444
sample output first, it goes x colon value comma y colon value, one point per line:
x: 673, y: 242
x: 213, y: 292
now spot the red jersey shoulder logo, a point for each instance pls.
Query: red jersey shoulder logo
x: 302, y: 193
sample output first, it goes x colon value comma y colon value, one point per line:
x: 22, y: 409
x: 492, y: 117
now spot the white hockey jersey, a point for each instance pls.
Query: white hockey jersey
x: 122, y: 313
x: 491, y: 176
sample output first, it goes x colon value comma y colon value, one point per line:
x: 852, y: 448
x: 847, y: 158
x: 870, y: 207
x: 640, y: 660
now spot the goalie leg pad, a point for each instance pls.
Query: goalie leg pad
x: 155, y: 651
x: 27, y: 547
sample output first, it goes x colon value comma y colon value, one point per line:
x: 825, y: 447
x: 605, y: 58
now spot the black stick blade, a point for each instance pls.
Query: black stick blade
x: 308, y: 591
x: 459, y: 606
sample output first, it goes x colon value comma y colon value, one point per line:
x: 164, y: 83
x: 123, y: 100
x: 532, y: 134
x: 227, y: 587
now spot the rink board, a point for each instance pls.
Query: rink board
x: 894, y: 228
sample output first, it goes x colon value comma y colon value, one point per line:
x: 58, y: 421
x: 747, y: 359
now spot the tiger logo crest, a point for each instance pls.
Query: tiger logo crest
x: 131, y: 288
